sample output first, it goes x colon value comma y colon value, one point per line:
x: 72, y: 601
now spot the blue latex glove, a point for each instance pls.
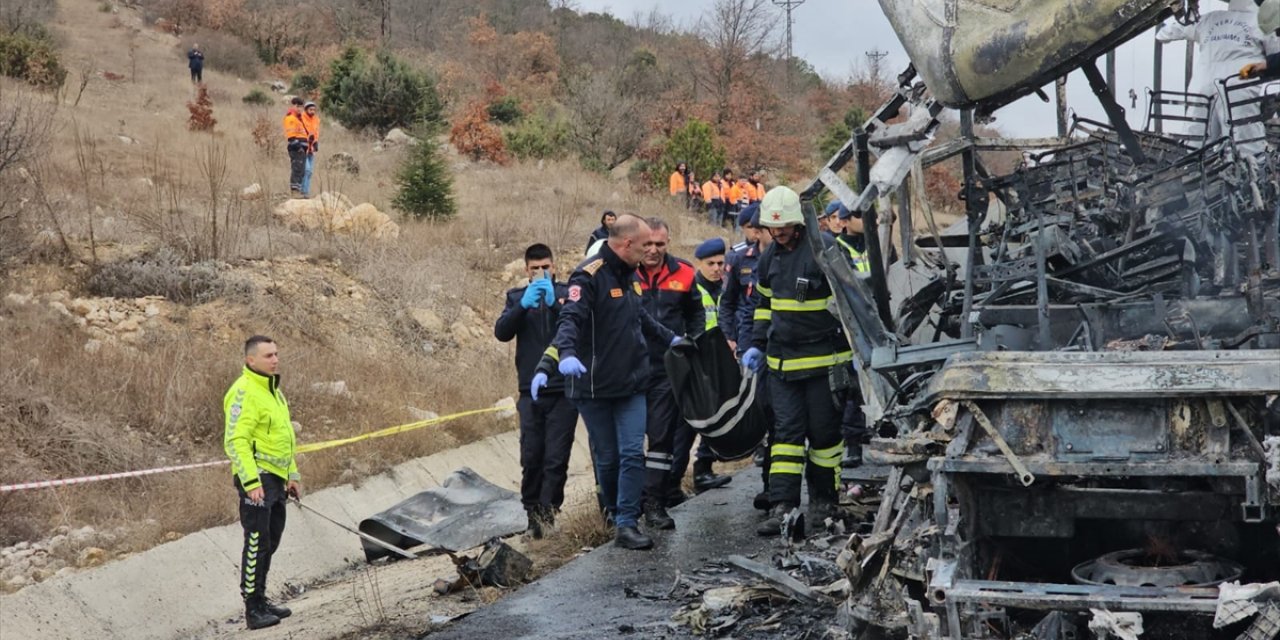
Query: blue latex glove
x: 530, y: 298
x: 548, y: 291
x: 753, y: 359
x: 539, y: 382
x: 571, y: 367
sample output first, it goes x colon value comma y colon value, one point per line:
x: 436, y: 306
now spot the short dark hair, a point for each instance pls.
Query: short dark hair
x: 537, y: 251
x: 296, y: 101
x: 253, y: 342
x: 606, y: 214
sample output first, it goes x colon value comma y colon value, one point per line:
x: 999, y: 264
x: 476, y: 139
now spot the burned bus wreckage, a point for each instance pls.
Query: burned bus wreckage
x: 1073, y: 389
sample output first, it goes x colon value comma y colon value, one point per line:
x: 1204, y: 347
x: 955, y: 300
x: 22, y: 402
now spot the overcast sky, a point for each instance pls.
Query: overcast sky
x: 835, y: 36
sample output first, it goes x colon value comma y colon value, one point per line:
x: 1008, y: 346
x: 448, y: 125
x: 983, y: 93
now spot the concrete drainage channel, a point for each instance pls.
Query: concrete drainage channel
x: 177, y: 589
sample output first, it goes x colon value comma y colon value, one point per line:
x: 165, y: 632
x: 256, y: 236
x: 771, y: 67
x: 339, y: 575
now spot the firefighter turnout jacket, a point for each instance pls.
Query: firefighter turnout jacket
x: 603, y: 323
x: 259, y: 435
x: 670, y: 296
x: 799, y: 336
x: 532, y: 329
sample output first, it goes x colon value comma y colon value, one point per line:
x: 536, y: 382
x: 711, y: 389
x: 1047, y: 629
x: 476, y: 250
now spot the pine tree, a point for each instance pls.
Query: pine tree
x: 425, y: 186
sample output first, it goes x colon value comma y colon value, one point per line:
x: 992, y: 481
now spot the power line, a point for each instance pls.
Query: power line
x: 875, y: 56
x: 788, y: 6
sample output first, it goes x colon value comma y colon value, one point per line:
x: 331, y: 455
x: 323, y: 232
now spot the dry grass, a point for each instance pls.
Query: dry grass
x: 66, y: 413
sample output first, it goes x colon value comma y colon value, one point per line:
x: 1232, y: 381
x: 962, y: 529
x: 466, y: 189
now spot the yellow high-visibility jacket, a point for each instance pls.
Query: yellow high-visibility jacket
x: 259, y: 435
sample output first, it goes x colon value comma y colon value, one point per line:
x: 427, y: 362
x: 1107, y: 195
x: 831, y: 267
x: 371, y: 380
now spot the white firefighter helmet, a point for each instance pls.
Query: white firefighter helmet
x: 780, y: 207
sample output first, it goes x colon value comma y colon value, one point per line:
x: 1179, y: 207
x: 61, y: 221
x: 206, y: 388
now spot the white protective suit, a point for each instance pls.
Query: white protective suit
x: 1226, y: 41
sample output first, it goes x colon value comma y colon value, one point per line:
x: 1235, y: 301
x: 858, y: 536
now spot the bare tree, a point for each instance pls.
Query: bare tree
x: 738, y: 33
x: 606, y: 125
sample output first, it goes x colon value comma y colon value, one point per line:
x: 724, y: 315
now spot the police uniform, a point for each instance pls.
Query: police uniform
x: 546, y: 424
x: 259, y: 440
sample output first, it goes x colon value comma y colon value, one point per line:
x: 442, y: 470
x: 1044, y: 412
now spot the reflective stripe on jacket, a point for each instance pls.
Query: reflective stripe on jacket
x: 791, y: 323
x: 710, y: 293
x: 859, y: 257
x: 258, y: 435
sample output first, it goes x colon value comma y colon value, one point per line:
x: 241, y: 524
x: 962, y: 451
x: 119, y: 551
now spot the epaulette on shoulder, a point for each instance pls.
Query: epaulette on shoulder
x: 592, y: 267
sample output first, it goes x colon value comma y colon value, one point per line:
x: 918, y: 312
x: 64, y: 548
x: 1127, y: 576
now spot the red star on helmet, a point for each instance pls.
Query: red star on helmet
x: 777, y: 216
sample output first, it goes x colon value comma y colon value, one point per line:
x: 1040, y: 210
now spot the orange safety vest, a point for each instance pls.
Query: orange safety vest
x: 312, y: 123
x: 710, y: 191
x: 731, y: 192
x: 676, y: 183
x: 294, y: 128
x: 755, y: 191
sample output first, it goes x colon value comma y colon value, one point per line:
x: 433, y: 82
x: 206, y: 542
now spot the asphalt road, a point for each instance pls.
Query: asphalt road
x: 587, y: 598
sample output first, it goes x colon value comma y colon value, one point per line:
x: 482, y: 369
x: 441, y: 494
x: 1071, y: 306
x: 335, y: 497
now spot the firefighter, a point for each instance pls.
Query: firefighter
x: 260, y: 442
x: 298, y: 141
x: 669, y: 294
x: 798, y: 340
x: 546, y: 424
x: 601, y: 347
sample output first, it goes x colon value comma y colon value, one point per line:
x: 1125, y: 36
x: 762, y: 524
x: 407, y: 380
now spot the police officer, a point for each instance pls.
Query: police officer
x: 736, y: 309
x: 259, y: 440
x: 847, y: 225
x: 669, y: 293
x: 799, y: 341
x: 546, y: 424
x: 710, y: 285
x: 601, y: 347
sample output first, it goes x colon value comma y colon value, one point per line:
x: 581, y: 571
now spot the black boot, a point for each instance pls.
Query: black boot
x: 277, y: 610
x: 820, y: 510
x: 852, y: 456
x: 256, y: 615
x: 656, y: 516
x: 709, y: 480
x: 761, y: 501
x: 534, y: 527
x: 676, y: 496
x: 773, y: 525
x: 631, y: 538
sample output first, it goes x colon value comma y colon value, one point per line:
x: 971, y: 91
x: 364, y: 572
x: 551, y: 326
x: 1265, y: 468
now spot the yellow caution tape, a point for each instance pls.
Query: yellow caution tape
x: 389, y: 431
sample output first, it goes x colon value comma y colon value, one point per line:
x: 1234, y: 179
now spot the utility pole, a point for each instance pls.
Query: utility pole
x: 789, y: 6
x: 876, y: 56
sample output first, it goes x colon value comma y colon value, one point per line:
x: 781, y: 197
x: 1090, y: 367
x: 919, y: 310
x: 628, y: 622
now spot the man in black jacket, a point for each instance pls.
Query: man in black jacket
x: 668, y: 289
x: 602, y: 232
x: 601, y: 346
x: 799, y: 341
x: 547, y: 423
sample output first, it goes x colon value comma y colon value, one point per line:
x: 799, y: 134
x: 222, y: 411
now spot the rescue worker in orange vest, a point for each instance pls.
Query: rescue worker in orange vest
x: 677, y: 184
x: 756, y: 191
x: 311, y: 120
x: 695, y: 192
x: 731, y: 193
x: 713, y: 197
x: 299, y: 142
